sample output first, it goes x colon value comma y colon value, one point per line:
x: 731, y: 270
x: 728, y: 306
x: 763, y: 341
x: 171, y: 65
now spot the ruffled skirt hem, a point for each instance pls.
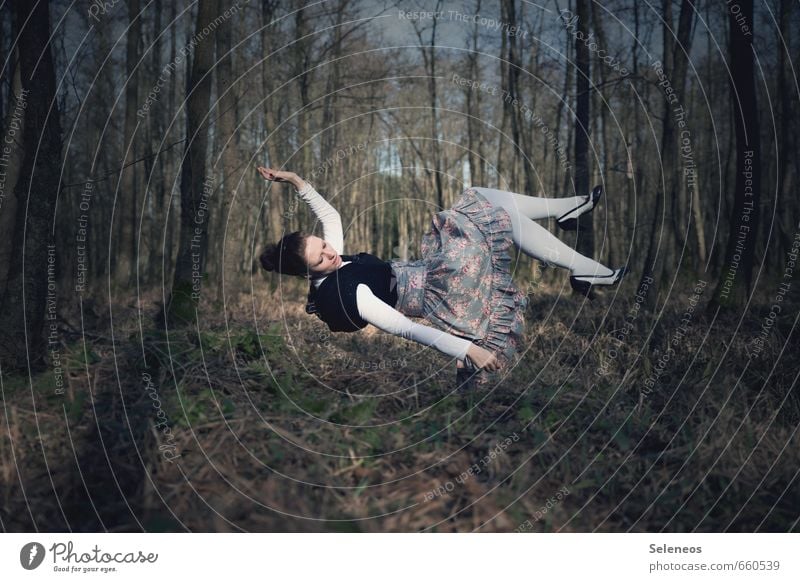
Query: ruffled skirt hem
x: 506, y: 319
x: 463, y: 283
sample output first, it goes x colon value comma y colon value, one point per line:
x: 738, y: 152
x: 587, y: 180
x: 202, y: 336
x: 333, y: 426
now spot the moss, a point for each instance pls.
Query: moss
x: 360, y: 413
x: 182, y: 306
x: 75, y: 408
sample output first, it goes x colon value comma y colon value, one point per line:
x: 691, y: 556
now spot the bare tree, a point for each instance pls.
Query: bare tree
x: 582, y: 124
x: 226, y: 193
x: 126, y: 215
x: 785, y: 147
x: 514, y: 103
x: 428, y: 52
x: 736, y: 279
x: 8, y: 203
x: 477, y: 163
x: 675, y: 60
x: 272, y: 103
x: 24, y: 299
x: 196, y: 187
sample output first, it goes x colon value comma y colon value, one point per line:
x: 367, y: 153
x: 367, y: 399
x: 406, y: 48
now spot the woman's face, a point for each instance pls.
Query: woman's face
x: 321, y: 257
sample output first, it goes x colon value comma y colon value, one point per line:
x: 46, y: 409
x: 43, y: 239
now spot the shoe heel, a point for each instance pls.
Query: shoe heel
x: 569, y: 224
x: 572, y: 223
x: 582, y: 287
x: 597, y: 191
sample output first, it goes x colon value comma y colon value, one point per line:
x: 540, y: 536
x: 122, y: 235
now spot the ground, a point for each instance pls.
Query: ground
x: 263, y: 421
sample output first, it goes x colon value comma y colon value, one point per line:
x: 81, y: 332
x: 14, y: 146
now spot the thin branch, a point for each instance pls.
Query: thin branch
x: 109, y: 174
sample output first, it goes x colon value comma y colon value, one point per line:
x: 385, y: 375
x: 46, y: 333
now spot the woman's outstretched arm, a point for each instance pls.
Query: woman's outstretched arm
x: 329, y: 217
x: 385, y: 317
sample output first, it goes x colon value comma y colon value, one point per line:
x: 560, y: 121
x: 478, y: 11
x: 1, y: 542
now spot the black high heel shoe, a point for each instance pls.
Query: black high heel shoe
x: 569, y: 220
x: 466, y: 377
x: 583, y: 283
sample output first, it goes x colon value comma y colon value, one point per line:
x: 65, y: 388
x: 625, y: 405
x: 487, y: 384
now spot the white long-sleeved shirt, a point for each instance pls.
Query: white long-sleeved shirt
x: 371, y: 308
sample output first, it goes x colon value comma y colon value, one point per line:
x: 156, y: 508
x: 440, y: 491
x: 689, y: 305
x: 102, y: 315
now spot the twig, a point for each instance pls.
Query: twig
x: 109, y: 174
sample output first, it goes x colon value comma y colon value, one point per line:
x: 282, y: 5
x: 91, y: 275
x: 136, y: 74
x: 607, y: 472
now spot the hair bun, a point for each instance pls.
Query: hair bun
x: 269, y: 258
x: 286, y: 256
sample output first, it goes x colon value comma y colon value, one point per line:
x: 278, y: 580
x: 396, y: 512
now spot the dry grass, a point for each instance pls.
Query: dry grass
x: 290, y: 429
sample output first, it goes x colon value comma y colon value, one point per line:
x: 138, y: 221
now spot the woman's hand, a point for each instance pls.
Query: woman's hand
x: 276, y: 175
x: 281, y: 176
x: 483, y: 358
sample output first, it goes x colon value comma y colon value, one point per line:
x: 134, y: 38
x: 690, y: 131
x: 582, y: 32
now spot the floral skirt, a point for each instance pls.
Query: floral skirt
x: 462, y: 284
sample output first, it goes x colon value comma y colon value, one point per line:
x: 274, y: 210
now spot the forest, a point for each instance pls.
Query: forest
x: 155, y: 378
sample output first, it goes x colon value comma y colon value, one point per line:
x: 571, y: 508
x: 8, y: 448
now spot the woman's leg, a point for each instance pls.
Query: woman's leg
x: 531, y: 206
x: 535, y: 240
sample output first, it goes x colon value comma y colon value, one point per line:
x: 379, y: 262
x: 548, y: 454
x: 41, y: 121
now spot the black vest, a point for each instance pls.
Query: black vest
x: 334, y: 301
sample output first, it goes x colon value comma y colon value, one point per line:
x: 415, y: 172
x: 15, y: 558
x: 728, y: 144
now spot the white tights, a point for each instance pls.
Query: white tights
x: 535, y: 240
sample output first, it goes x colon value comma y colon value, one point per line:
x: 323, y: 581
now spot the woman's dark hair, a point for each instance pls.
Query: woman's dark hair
x: 287, y: 256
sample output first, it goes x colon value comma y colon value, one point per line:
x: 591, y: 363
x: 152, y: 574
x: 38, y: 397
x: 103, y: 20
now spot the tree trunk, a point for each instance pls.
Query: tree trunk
x: 29, y: 292
x: 523, y: 150
x: 302, y: 72
x: 787, y: 202
x: 500, y: 164
x: 275, y: 205
x: 665, y: 208
x: 585, y: 244
x: 735, y: 281
x: 437, y: 148
x: 126, y: 217
x: 330, y: 117
x: 474, y: 142
x: 559, y: 173
x: 196, y: 188
x: 229, y: 200
x: 613, y: 242
x: 170, y: 219
x: 678, y: 195
x: 14, y: 124
x: 694, y: 202
x: 157, y: 179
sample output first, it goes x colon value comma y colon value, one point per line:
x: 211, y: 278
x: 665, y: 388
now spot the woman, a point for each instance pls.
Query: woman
x: 462, y: 284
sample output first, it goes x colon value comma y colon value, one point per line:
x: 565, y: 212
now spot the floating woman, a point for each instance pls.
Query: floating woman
x: 462, y: 285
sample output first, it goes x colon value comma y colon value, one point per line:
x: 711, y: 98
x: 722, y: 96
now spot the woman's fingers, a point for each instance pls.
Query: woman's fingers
x: 483, y: 358
x: 490, y: 363
x: 270, y: 174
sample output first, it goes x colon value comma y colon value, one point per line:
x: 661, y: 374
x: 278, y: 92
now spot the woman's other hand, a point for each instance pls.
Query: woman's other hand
x: 483, y: 358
